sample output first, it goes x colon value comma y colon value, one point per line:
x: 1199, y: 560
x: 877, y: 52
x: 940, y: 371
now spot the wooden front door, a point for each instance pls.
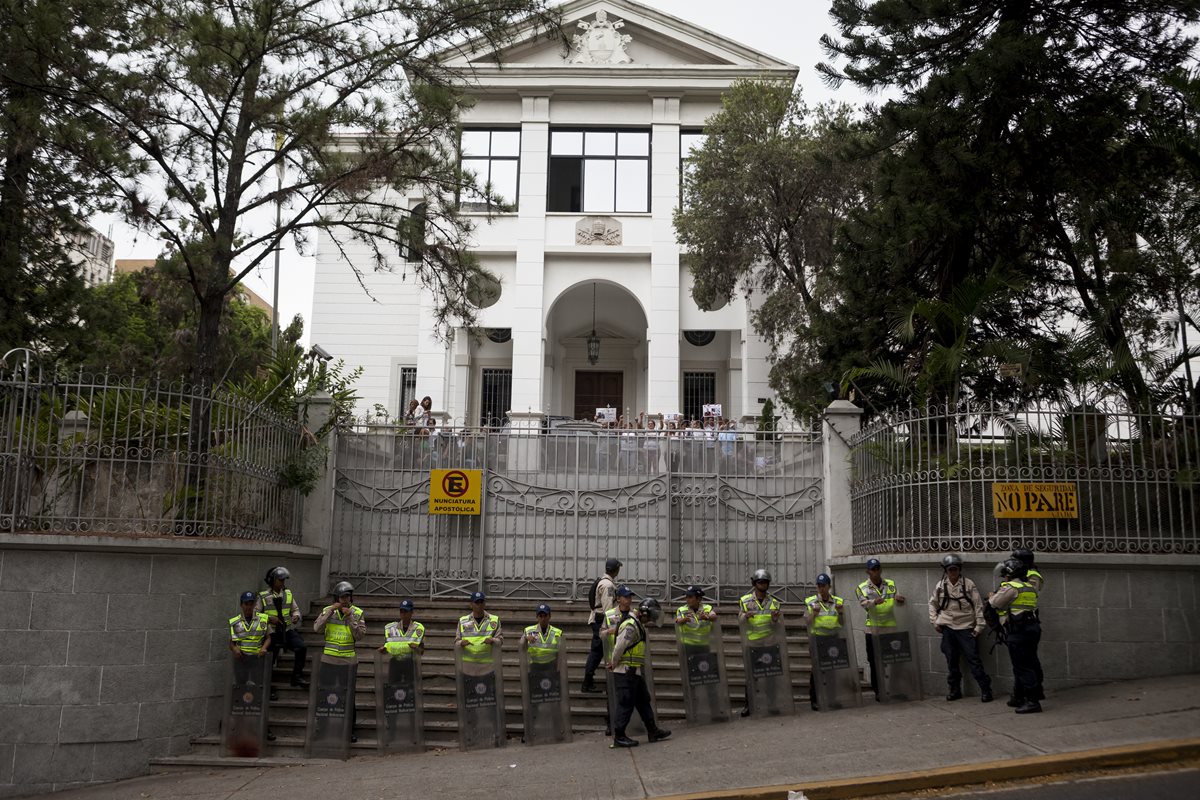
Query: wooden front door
x: 598, y: 390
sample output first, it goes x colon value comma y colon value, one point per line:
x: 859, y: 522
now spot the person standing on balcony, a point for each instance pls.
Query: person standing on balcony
x: 878, y: 597
x: 281, y: 608
x: 1023, y: 632
x: 601, y: 598
x: 628, y: 665
x: 956, y: 612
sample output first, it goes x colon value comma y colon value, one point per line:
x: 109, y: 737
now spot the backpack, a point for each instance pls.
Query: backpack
x: 592, y: 593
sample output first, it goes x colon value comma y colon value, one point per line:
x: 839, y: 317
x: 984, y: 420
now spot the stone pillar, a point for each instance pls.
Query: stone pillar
x: 459, y: 403
x: 525, y: 441
x: 755, y: 370
x: 662, y: 307
x: 316, y: 510
x: 842, y: 419
x: 431, y: 355
x: 528, y: 296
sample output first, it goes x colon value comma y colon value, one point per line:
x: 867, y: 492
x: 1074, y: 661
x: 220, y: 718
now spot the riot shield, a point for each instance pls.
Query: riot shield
x: 331, y: 708
x: 895, y: 654
x: 834, y: 670
x: 480, y: 694
x: 636, y: 726
x: 545, y: 698
x: 399, y: 704
x: 246, y: 691
x: 768, y: 676
x: 705, y: 685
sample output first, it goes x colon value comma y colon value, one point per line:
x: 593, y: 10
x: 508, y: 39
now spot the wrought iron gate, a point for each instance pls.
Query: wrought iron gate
x: 675, y: 509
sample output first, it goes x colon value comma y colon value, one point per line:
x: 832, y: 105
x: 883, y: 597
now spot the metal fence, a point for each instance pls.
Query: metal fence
x: 92, y: 453
x: 922, y: 480
x: 676, y: 510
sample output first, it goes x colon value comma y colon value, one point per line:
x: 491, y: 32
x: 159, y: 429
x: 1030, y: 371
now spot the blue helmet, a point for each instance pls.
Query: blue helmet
x: 824, y: 580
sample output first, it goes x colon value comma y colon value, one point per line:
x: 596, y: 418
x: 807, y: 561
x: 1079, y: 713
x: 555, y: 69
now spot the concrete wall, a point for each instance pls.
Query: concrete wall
x: 113, y: 651
x: 1104, y: 618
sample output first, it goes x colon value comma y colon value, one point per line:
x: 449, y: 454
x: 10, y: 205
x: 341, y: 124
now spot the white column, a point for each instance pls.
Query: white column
x: 431, y: 357
x: 843, y: 419
x: 460, y: 379
x: 755, y: 371
x: 528, y: 320
x: 662, y: 307
x: 734, y: 391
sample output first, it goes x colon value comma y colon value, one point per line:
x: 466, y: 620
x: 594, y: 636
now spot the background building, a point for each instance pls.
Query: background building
x: 93, y: 252
x: 589, y: 144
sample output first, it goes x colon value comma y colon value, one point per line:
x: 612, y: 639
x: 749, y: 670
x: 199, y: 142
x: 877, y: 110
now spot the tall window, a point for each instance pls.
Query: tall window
x: 599, y: 172
x: 699, y: 390
x: 408, y: 388
x: 494, y: 158
x: 496, y: 391
x: 689, y: 143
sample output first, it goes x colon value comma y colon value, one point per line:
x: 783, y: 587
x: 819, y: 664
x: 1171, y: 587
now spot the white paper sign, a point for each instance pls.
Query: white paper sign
x: 712, y: 410
x: 673, y: 416
x: 606, y: 414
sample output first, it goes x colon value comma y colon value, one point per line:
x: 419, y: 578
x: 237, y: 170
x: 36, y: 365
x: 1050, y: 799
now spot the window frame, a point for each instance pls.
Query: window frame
x: 614, y: 158
x: 683, y: 386
x: 489, y: 208
x: 684, y: 159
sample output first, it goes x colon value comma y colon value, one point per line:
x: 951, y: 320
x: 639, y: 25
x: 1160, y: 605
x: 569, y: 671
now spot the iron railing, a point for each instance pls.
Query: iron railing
x: 922, y: 480
x: 677, y: 510
x: 94, y: 453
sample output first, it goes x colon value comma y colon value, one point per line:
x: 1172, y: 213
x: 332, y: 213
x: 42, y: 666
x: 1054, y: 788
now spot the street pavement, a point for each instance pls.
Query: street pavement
x: 1171, y: 785
x: 809, y: 747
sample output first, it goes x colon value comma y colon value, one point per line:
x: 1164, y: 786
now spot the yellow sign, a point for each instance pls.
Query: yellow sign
x: 1034, y: 501
x: 455, y: 491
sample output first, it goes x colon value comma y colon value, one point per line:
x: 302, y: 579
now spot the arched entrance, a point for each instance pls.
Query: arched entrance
x: 617, y: 376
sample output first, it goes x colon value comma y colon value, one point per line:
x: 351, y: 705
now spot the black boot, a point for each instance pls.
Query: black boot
x: 955, y: 694
x: 624, y: 741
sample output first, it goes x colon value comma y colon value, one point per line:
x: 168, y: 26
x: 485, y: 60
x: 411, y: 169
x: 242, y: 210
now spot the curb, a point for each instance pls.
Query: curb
x: 1161, y: 752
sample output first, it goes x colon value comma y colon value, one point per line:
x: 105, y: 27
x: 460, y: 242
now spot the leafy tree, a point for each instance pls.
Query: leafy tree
x: 52, y: 153
x: 1031, y: 137
x: 763, y: 201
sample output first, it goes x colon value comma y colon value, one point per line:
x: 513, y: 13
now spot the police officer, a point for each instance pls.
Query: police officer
x: 826, y: 615
x: 956, y: 612
x: 342, y: 623
x: 542, y: 644
x: 280, y: 606
x: 617, y: 614
x: 628, y: 667
x: 404, y: 640
x: 605, y: 600
x: 247, y: 637
x: 1024, y: 632
x: 760, y: 610
x: 477, y: 634
x: 878, y: 597
x: 1032, y: 575
x: 694, y: 621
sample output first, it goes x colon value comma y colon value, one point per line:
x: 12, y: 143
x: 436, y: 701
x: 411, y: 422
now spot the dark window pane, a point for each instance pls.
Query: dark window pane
x: 565, y: 189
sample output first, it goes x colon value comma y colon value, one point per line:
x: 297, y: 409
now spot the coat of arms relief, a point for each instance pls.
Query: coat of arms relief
x: 601, y: 42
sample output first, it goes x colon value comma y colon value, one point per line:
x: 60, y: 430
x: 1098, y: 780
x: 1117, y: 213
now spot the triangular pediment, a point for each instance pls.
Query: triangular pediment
x: 618, y: 34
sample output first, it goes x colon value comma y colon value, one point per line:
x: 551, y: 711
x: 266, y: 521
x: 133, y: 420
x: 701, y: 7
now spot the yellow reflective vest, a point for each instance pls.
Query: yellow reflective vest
x: 825, y: 618
x: 403, y: 643
x: 634, y: 656
x: 473, y: 633
x: 758, y: 619
x: 693, y: 630
x: 544, y: 647
x: 339, y: 637
x: 884, y: 614
x: 248, y: 634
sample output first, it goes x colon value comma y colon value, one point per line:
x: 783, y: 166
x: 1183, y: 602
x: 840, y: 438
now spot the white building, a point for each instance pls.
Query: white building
x: 590, y: 142
x: 92, y: 252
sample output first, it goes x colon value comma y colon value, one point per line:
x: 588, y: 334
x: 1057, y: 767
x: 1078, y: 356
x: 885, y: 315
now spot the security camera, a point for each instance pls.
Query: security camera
x: 321, y: 353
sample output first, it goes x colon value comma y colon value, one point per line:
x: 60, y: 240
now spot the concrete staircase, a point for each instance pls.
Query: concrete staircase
x: 440, y: 617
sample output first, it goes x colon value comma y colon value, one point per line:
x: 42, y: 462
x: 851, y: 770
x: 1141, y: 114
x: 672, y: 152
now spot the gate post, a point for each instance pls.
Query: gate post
x: 842, y: 420
x: 316, y: 510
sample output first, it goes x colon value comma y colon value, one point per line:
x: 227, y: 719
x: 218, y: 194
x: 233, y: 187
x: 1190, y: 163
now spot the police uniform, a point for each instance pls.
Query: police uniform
x: 477, y: 657
x: 880, y: 616
x: 542, y: 647
x: 284, y: 613
x: 695, y: 634
x: 403, y: 645
x: 760, y: 624
x: 246, y: 634
x: 606, y: 589
x: 1024, y: 633
x: 957, y: 609
x: 824, y: 619
x: 629, y: 665
x: 341, y: 630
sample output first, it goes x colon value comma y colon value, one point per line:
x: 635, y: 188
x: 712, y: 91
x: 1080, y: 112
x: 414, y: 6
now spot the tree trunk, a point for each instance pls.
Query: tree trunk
x: 19, y: 161
x: 191, y: 514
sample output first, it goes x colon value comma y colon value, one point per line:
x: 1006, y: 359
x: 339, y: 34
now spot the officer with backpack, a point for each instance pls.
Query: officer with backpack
x: 956, y: 612
x: 602, y: 598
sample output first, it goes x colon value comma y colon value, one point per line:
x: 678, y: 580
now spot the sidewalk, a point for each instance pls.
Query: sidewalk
x: 870, y: 741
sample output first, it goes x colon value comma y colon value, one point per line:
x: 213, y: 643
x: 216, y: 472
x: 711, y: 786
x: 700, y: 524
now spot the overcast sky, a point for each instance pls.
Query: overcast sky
x: 789, y: 30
